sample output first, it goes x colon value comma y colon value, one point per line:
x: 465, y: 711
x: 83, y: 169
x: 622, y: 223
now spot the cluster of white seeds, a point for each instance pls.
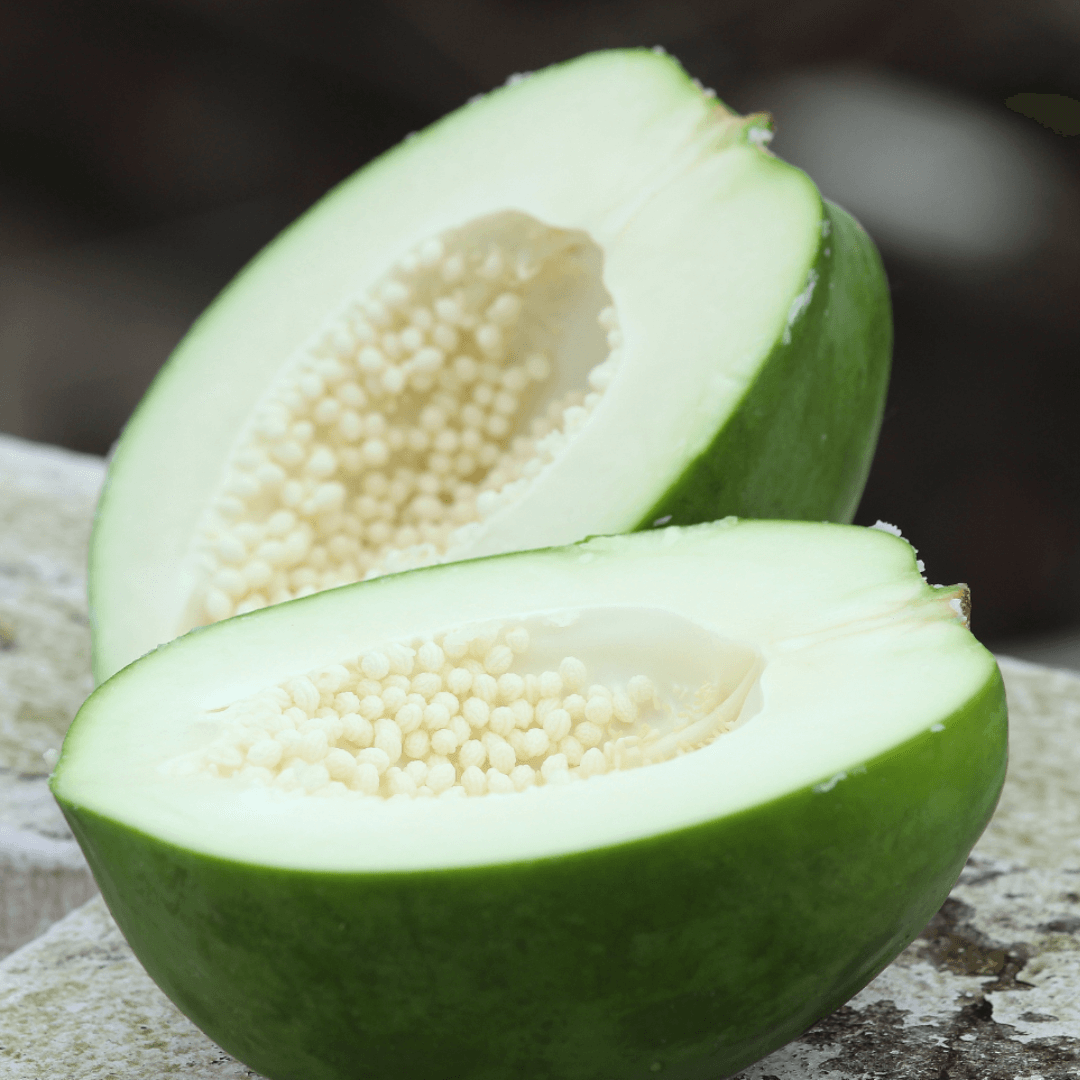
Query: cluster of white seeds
x: 416, y: 416
x: 448, y: 716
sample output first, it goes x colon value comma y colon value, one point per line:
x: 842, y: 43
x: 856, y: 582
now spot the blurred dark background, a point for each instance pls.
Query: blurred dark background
x: 148, y: 149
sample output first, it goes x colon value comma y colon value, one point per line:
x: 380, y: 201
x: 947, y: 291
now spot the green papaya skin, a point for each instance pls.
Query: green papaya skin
x: 800, y: 442
x: 772, y: 405
x: 691, y: 954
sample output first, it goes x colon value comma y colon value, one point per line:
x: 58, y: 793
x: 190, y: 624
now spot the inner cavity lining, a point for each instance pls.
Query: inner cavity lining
x: 424, y: 408
x: 548, y: 698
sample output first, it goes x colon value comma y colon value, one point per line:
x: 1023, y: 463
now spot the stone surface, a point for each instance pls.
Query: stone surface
x: 989, y: 991
x: 47, y: 499
x: 43, y: 875
x: 76, y: 1005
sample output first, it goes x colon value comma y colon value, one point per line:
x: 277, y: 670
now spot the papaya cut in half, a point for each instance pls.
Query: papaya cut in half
x: 656, y: 801
x: 587, y: 303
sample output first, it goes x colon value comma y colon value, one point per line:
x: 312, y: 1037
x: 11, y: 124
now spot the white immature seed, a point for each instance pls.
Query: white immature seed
x: 400, y: 783
x: 304, y: 693
x: 375, y: 664
x: 474, y: 781
x: 500, y: 753
x: 357, y: 730
x: 459, y: 681
x: 430, y: 657
x: 485, y: 688
x: 472, y: 753
x: 523, y: 776
x: 502, y: 721
x: 505, y: 309
x: 340, y: 765
x: 409, y: 717
x: 551, y: 684
x: 441, y: 777
x: 427, y: 684
x: 476, y: 711
x: 553, y: 766
x: 572, y: 750
x: 444, y: 741
x: 436, y: 716
x: 623, y: 707
x: 640, y: 690
x: 417, y: 743
x: 388, y: 739
x: 574, y: 704
x: 456, y: 645
x: 314, y: 777
x: 557, y: 725
x: 461, y: 729
x: 371, y: 706
x: 498, y: 660
x: 599, y: 710
x: 536, y: 743
x: 367, y: 778
x: 588, y: 734
x: 511, y: 687
x: 573, y: 673
x: 448, y: 701
x: 313, y: 745
x: 498, y: 783
x: 393, y: 697
x: 523, y: 713
x: 401, y: 659
x: 294, y: 716
x: 265, y: 753
x: 375, y: 756
x: 593, y: 762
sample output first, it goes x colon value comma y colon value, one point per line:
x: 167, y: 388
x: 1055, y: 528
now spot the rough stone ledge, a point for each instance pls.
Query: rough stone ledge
x: 989, y: 991
x: 991, y: 988
x: 47, y: 498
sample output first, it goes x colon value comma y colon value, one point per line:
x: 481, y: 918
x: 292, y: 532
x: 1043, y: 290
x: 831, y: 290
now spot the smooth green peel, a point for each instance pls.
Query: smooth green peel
x: 685, y: 915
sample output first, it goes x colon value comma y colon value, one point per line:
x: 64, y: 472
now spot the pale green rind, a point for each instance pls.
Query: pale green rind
x: 692, y: 947
x: 800, y: 442
x: 647, y: 121
x: 692, y: 953
x: 653, y: 147
x: 839, y: 616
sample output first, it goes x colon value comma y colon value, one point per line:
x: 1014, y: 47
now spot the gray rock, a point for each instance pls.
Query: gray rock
x: 43, y: 875
x: 76, y: 1005
x: 991, y: 989
x: 47, y: 498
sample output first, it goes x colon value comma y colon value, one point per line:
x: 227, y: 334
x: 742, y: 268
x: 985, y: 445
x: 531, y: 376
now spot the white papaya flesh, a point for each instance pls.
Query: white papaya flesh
x: 655, y: 801
x: 587, y: 303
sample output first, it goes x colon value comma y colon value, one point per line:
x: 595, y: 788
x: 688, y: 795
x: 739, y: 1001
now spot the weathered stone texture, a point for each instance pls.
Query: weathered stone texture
x: 989, y: 991
x: 43, y: 875
x: 76, y: 1005
x: 47, y: 498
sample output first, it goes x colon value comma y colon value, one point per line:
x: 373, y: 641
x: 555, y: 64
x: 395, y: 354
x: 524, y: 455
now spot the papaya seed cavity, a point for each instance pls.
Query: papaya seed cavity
x: 464, y: 713
x: 428, y: 405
